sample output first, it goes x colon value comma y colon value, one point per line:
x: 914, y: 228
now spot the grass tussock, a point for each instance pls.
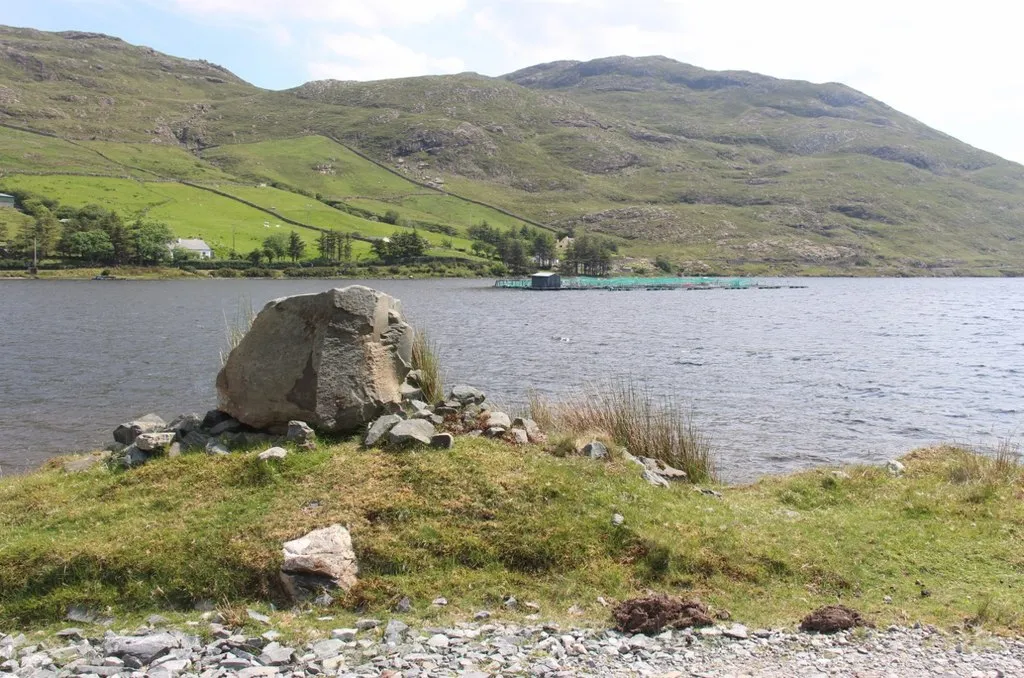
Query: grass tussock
x: 635, y: 420
x: 425, y: 358
x: 237, y: 327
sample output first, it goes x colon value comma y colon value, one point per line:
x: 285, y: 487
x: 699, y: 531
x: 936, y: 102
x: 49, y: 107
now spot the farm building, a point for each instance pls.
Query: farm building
x: 193, y: 245
x: 6, y: 200
x: 545, y: 281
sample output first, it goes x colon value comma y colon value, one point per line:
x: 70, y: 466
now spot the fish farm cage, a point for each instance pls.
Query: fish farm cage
x: 552, y: 281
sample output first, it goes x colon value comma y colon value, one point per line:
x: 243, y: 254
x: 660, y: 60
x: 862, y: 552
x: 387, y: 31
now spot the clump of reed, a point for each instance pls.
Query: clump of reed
x: 237, y: 327
x: 425, y: 358
x: 636, y: 420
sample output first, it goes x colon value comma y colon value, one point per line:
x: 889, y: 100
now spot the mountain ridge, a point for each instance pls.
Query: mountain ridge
x: 715, y: 170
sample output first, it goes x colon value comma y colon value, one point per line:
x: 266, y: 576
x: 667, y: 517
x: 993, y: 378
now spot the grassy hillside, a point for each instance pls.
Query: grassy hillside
x: 323, y: 166
x: 716, y: 171
x: 478, y: 523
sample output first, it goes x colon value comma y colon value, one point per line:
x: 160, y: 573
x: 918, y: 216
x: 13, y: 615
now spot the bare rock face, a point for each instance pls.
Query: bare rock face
x: 333, y: 359
x: 320, y: 561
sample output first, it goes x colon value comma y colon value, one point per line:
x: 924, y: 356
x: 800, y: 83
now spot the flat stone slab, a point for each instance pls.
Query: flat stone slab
x: 410, y: 430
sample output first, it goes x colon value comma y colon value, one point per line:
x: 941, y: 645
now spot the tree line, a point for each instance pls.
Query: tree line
x: 90, y: 234
x: 525, y: 249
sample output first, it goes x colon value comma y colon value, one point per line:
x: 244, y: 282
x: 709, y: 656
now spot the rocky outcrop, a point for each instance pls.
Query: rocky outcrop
x: 320, y: 561
x: 334, y: 360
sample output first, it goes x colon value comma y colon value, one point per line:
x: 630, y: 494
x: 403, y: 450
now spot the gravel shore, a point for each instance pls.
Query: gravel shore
x: 491, y: 649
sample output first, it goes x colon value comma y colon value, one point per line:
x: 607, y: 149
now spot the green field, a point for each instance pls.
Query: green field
x: 190, y: 212
x: 345, y: 176
x: 162, y: 160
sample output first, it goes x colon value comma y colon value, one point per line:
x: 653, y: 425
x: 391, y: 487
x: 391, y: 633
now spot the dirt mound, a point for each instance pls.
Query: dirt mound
x: 832, y: 618
x: 655, y: 613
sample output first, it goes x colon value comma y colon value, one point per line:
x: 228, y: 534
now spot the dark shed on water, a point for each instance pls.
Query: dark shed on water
x: 545, y: 281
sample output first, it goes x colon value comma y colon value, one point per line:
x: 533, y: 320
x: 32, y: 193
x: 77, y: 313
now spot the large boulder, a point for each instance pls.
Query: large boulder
x: 336, y: 360
x: 321, y: 560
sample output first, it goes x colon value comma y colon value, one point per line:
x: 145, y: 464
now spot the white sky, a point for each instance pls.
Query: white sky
x: 952, y: 65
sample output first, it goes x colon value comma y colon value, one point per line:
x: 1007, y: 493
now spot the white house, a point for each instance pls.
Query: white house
x: 193, y: 245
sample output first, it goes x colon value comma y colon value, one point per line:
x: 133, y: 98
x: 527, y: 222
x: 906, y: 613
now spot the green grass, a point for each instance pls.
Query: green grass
x: 160, y: 160
x: 480, y: 522
x: 320, y: 165
x: 190, y: 212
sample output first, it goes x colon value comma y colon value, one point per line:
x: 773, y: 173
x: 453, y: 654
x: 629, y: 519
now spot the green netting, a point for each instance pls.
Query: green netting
x: 626, y: 283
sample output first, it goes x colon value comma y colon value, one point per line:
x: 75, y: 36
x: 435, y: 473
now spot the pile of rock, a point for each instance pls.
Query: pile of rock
x: 465, y: 411
x: 373, y: 647
x: 139, y: 440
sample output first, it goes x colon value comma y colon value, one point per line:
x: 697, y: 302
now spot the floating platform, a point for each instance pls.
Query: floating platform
x: 552, y: 282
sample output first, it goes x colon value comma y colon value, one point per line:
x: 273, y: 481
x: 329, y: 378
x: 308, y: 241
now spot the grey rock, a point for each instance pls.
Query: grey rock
x: 322, y: 559
x: 133, y: 456
x: 653, y: 478
x: 127, y: 432
x: 737, y: 631
x: 300, y: 433
x: 395, y: 631
x: 379, y: 429
x: 194, y: 440
x: 443, y: 441
x: 531, y: 428
x: 409, y: 392
x: 367, y: 624
x: 142, y: 648
x: 332, y: 359
x: 440, y: 601
x: 498, y: 419
x: 102, y: 671
x: 345, y: 635
x: 618, y: 519
x: 230, y: 425
x: 184, y: 423
x: 464, y: 395
x: 273, y: 453
x: 411, y: 430
x: 481, y: 615
x: 74, y: 633
x: 212, y: 418
x: 415, y: 378
x: 418, y: 405
x: 174, y: 450
x: 258, y: 616
x: 151, y: 442
x: 662, y: 469
x: 215, y: 447
x: 520, y: 436
x: 257, y: 672
x: 438, y: 641
x: 327, y: 648
x: 404, y: 605
x: 494, y: 432
x: 595, y: 449
x: 895, y: 468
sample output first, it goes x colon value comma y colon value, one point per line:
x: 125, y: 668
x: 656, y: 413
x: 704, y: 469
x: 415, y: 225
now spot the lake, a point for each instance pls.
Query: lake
x: 846, y: 370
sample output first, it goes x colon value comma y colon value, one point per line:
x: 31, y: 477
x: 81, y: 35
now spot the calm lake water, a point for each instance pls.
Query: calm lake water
x: 843, y: 371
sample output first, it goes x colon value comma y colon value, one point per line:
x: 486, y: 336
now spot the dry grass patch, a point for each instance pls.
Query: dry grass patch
x: 636, y: 420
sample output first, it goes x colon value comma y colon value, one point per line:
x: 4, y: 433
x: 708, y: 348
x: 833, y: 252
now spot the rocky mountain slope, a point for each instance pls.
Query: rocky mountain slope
x: 715, y: 171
